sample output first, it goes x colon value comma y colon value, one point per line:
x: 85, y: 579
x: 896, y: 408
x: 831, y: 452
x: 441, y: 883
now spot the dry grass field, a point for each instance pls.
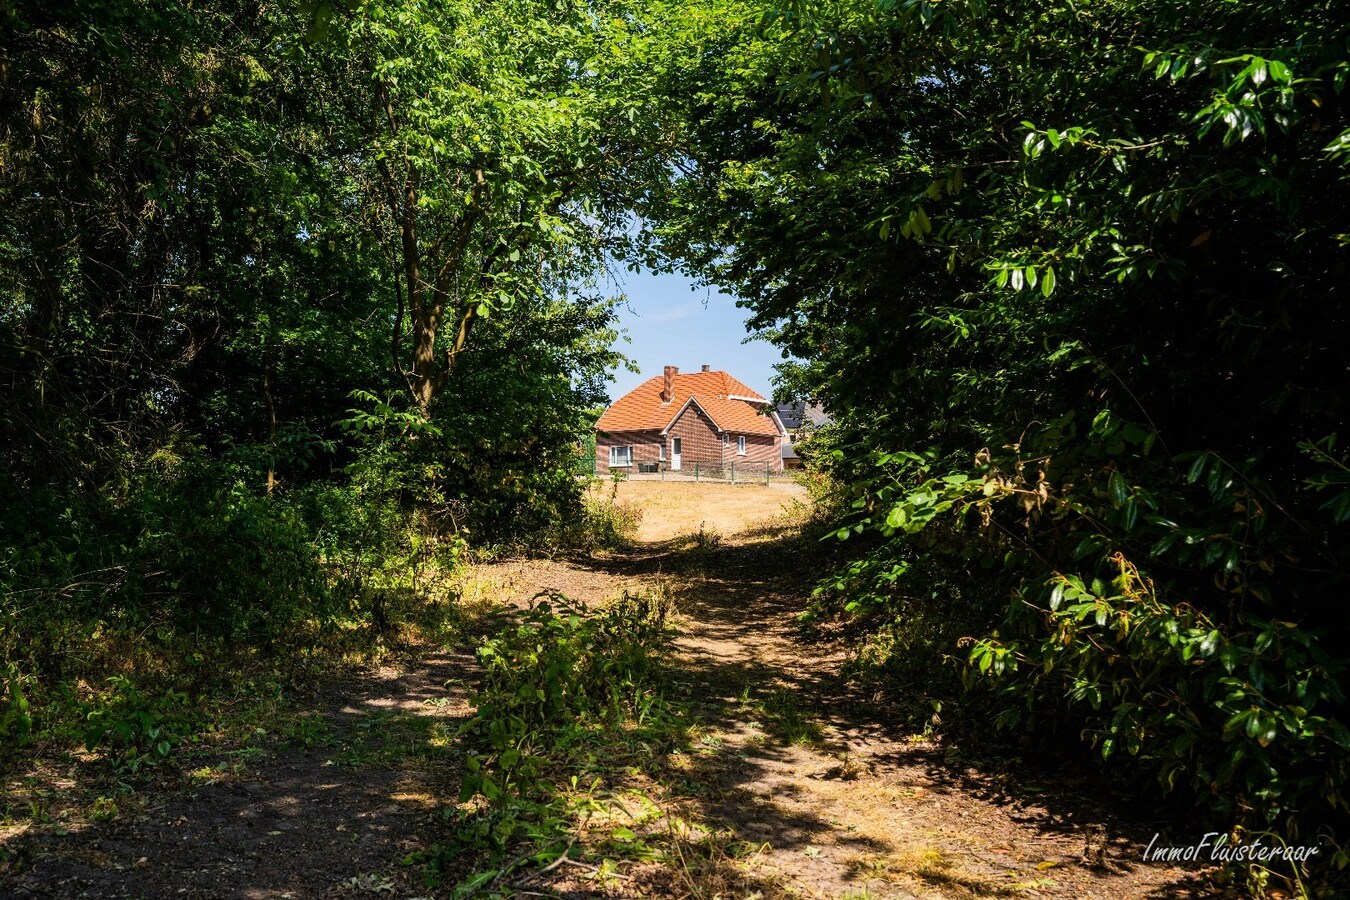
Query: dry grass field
x: 674, y: 508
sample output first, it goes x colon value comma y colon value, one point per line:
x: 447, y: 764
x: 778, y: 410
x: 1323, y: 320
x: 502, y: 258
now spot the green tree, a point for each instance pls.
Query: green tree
x: 500, y: 149
x: 200, y: 267
x: 1067, y: 277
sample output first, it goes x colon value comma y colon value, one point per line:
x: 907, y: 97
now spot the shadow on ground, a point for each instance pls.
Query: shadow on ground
x: 335, y: 816
x: 781, y: 775
x: 811, y: 766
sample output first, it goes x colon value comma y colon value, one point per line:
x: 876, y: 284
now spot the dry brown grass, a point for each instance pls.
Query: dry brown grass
x: 674, y: 508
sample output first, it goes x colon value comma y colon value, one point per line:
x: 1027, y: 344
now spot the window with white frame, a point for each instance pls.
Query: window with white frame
x: 620, y: 456
x: 661, y: 452
x: 740, y: 445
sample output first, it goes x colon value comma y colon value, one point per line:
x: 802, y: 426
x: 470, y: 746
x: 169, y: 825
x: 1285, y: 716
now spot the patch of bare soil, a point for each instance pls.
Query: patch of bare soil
x: 335, y: 818
x: 838, y: 804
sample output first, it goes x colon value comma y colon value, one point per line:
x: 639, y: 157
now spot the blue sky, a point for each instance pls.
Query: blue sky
x: 669, y: 322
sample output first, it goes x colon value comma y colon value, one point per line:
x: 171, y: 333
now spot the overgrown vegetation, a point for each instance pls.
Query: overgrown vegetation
x: 1068, y: 280
x: 583, y: 754
x: 297, y: 304
x: 570, y: 697
x: 603, y: 522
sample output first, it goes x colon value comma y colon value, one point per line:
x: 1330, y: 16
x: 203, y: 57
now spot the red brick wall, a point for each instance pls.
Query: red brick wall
x: 646, y: 448
x: 698, y: 438
x: 759, y: 449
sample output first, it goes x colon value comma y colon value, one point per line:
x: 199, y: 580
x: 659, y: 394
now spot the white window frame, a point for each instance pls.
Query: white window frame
x: 626, y: 456
x: 661, y: 452
x: 740, y: 445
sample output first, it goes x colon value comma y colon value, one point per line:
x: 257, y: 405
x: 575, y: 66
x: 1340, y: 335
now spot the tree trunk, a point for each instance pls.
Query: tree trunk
x: 271, y: 423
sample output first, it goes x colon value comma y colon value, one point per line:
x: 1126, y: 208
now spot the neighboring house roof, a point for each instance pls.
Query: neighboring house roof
x: 799, y: 413
x: 727, y: 401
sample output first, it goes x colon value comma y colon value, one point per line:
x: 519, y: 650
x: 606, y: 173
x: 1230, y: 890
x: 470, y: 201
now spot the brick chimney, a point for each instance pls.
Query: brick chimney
x: 668, y: 391
x: 707, y: 368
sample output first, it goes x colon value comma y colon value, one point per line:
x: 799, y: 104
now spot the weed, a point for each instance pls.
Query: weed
x: 603, y: 523
x: 104, y: 809
x: 706, y: 540
x: 15, y: 720
x: 138, y: 729
x: 206, y: 775
x: 565, y: 687
x: 309, y: 730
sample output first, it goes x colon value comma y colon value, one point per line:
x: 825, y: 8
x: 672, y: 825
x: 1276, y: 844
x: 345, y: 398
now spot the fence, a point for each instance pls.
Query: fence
x: 695, y: 470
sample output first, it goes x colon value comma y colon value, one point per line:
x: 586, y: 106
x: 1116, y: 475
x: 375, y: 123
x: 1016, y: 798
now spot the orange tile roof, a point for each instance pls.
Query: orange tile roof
x: 641, y: 408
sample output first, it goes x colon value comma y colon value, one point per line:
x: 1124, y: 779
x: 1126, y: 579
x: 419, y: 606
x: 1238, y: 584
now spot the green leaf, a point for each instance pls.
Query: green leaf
x: 1120, y: 491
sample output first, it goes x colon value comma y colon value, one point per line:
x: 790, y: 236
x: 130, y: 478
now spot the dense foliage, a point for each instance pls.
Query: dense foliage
x: 1070, y: 278
x: 295, y: 301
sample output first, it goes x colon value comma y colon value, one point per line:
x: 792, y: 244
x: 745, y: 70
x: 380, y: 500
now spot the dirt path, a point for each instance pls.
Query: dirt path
x: 804, y: 769
x: 329, y: 808
x: 792, y: 766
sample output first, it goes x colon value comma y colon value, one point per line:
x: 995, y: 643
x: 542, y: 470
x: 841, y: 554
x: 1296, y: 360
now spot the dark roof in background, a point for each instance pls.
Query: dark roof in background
x: 798, y: 413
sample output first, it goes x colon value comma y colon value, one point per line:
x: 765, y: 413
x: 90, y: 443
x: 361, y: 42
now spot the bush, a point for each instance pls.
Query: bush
x: 1160, y: 619
x: 603, y: 523
x: 553, y: 679
x: 193, y: 548
x: 230, y: 560
x: 139, y: 729
x: 563, y: 664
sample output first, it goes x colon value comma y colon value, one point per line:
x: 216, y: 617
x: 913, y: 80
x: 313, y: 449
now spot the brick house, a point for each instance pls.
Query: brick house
x: 673, y: 421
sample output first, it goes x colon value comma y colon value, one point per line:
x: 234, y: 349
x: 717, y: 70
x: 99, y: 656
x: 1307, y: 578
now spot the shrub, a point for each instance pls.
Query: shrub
x: 138, y: 729
x: 553, y: 678
x: 1161, y: 611
x: 603, y: 523
x: 562, y: 664
x: 230, y: 560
